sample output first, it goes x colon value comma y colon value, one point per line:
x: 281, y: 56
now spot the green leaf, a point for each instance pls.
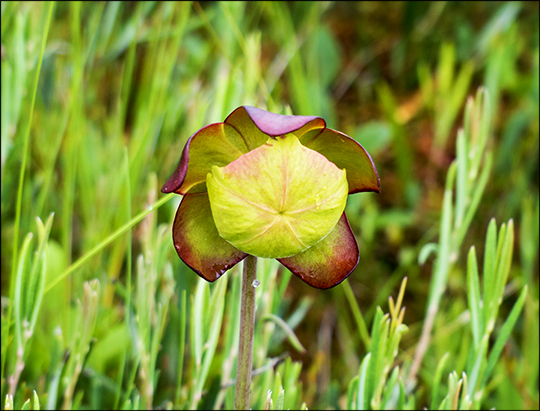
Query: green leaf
x: 278, y: 386
x: 39, y: 268
x: 442, y: 264
x: 490, y: 261
x: 462, y: 186
x: 379, y: 334
x: 197, y: 326
x: 378, y: 375
x: 505, y: 261
x: 444, y: 403
x: 426, y: 251
x: 473, y: 295
x: 280, y: 400
x: 347, y: 154
x: 277, y: 200
x: 466, y: 403
x: 35, y: 401
x: 268, y: 402
x: 330, y: 261
x: 197, y: 241
x: 403, y: 398
x: 293, y: 339
x: 20, y: 303
x: 359, y: 318
x: 390, y: 389
x: 498, y: 24
x: 476, y: 369
x: 210, y: 345
x: 363, y: 398
x: 478, y: 190
x: 8, y: 404
x: 437, y: 381
x: 351, y: 393
x: 182, y: 343
x: 504, y: 334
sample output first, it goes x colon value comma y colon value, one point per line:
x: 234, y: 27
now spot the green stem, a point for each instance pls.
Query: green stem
x: 247, y: 326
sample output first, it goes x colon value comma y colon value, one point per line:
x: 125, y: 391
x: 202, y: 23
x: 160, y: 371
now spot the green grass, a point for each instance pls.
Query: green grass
x: 98, y: 100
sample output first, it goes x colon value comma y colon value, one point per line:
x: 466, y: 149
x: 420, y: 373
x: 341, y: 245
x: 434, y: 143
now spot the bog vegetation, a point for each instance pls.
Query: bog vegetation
x: 98, y: 100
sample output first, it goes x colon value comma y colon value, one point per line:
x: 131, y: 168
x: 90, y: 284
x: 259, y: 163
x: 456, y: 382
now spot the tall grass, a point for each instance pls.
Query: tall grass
x: 98, y: 100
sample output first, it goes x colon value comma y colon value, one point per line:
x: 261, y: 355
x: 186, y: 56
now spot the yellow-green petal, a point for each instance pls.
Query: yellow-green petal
x: 347, y: 153
x: 277, y: 200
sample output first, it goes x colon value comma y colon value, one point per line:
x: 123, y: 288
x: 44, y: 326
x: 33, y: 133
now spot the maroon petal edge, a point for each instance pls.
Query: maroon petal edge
x: 178, y: 176
x: 214, y: 267
x: 274, y: 124
x: 372, y: 164
x: 325, y: 276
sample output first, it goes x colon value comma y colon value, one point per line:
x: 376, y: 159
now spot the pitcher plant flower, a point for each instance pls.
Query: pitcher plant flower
x: 271, y: 186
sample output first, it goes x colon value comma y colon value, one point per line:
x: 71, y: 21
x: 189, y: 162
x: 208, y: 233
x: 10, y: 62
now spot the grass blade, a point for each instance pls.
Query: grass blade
x: 357, y: 314
x: 352, y: 392
x: 134, y: 221
x: 363, y: 398
x: 293, y: 339
x: 490, y: 261
x: 504, y: 334
x: 437, y: 381
x: 18, y: 208
x: 473, y: 296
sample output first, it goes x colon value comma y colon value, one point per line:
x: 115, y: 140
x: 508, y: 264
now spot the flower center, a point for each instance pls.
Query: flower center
x: 277, y: 200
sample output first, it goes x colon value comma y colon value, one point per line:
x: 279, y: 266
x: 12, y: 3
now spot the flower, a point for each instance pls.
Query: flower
x: 273, y: 186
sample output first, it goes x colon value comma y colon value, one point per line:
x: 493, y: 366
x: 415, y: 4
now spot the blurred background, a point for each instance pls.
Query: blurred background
x: 123, y: 85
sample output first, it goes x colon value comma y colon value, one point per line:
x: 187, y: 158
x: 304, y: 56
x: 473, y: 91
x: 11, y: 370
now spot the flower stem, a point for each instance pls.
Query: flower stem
x: 247, y: 326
